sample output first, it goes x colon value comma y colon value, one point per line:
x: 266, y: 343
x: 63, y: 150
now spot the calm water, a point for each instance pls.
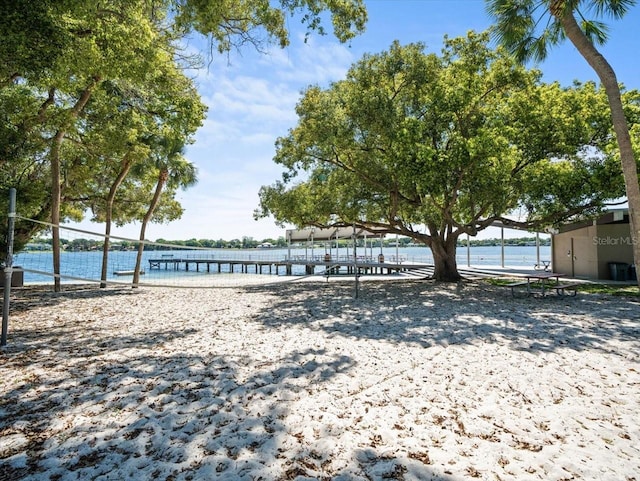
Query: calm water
x: 87, y: 265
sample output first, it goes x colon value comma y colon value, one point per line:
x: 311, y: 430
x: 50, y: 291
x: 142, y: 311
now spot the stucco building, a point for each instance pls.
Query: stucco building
x: 597, y: 249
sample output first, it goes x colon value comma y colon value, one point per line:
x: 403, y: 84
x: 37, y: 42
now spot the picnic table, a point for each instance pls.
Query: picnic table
x: 541, y: 279
x: 544, y: 265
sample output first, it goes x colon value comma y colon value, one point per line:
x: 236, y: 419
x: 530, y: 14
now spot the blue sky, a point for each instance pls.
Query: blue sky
x: 252, y: 97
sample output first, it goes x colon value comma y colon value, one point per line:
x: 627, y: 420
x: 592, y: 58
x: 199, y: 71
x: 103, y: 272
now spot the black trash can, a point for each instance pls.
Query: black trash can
x: 618, y: 271
x: 633, y: 275
x: 17, y: 277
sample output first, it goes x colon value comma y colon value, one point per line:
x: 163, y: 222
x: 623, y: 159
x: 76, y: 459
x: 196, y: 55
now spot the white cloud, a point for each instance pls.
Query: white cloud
x: 251, y: 103
x: 315, y: 62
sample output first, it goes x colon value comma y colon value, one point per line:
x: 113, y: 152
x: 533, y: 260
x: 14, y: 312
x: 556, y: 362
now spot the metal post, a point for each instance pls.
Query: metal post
x: 355, y: 260
x: 8, y: 267
x: 502, y: 246
x: 468, y: 252
x: 370, y: 254
x: 538, y: 263
x: 397, y: 254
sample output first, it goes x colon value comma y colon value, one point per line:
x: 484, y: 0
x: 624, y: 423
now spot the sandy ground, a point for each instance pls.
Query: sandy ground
x: 412, y: 380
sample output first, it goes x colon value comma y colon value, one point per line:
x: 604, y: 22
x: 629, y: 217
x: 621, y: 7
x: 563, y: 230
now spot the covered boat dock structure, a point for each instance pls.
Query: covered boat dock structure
x: 324, y: 251
x: 331, y: 252
x: 332, y: 256
x: 329, y: 265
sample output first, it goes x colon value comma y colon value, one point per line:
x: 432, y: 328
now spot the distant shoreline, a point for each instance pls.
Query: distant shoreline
x: 389, y: 243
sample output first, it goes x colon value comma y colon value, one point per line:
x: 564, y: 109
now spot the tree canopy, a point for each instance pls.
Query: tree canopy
x: 57, y: 56
x: 434, y: 146
x: 87, y: 88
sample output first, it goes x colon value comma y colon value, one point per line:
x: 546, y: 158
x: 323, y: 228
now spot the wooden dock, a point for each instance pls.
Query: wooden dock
x: 260, y: 266
x: 189, y: 264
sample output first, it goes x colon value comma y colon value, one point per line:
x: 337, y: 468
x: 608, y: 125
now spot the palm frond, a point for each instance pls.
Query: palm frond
x: 615, y: 9
x: 527, y: 29
x: 520, y: 28
x: 595, y: 31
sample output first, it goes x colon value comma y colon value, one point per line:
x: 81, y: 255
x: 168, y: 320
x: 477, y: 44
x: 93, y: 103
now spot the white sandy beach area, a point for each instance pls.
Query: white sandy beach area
x: 413, y: 380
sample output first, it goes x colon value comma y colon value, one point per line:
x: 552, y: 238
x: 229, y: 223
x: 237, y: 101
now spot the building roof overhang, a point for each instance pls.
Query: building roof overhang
x: 318, y: 234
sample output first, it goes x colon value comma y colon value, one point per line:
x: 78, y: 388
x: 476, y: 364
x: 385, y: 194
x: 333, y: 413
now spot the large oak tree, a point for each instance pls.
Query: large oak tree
x: 433, y: 147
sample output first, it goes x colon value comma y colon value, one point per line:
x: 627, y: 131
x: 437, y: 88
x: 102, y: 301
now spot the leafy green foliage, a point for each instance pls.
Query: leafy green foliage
x: 452, y: 142
x: 32, y: 38
x: 87, y: 89
x: 232, y: 23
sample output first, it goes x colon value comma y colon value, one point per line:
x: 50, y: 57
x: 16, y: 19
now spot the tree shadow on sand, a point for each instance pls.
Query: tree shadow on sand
x: 28, y: 297
x: 428, y: 313
x: 95, y: 404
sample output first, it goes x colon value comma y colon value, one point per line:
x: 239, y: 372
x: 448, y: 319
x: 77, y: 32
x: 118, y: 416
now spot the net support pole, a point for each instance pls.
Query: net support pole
x: 502, y: 247
x: 8, y: 266
x: 397, y: 254
x: 355, y: 263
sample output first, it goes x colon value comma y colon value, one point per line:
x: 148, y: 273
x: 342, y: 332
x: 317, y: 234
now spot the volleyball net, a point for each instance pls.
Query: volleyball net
x: 84, y: 262
x: 82, y: 257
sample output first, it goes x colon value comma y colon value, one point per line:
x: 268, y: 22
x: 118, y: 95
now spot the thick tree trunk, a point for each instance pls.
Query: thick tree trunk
x: 444, y: 259
x: 627, y: 158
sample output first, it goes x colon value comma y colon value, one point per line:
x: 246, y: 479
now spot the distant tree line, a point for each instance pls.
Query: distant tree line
x: 247, y: 242
x: 519, y: 241
x: 82, y: 244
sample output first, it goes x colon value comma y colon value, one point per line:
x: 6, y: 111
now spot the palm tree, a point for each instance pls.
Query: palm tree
x: 521, y: 27
x: 173, y: 171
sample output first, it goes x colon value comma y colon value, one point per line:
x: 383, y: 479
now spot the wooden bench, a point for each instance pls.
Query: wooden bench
x: 513, y: 285
x: 561, y: 289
